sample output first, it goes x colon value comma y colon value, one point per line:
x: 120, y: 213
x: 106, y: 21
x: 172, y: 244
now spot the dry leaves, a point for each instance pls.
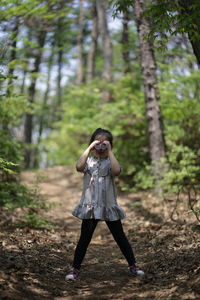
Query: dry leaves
x: 34, y: 262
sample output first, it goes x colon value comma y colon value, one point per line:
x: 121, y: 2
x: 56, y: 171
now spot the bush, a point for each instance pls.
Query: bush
x: 13, y: 194
x: 183, y: 176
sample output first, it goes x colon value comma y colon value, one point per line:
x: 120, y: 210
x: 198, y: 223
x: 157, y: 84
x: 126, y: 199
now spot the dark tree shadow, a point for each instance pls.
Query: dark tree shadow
x: 34, y: 267
x: 135, y: 204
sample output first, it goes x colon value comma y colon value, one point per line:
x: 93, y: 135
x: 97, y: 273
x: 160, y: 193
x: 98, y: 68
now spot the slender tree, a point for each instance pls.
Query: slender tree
x: 28, y: 127
x: 44, y: 105
x: 60, y: 38
x: 26, y: 54
x: 22, y: 88
x: 80, y: 63
x: 59, y: 62
x: 125, y: 41
x: 148, y: 67
x: 93, y: 45
x: 13, y: 55
x: 106, y: 47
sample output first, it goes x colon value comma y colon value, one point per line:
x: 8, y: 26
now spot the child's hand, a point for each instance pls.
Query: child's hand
x: 108, y: 145
x: 91, y: 147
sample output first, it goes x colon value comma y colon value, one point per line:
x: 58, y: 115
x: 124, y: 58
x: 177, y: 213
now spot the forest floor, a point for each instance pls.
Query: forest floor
x: 34, y: 262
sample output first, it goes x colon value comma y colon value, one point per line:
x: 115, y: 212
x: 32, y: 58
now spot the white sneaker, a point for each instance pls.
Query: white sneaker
x: 72, y: 275
x: 136, y: 271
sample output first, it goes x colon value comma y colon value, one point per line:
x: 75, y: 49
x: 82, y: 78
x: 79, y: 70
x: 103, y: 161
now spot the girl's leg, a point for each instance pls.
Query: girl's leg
x: 87, y: 229
x: 117, y: 231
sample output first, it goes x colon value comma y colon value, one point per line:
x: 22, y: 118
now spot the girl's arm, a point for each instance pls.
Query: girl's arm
x: 115, y: 166
x: 80, y: 165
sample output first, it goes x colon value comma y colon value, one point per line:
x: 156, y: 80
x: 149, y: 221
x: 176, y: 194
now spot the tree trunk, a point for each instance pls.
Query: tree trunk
x: 27, y: 55
x: 106, y: 47
x: 12, y: 56
x: 45, y: 99
x: 188, y: 10
x: 59, y: 35
x: 59, y: 91
x: 28, y: 127
x: 79, y: 79
x: 93, y: 46
x: 23, y: 81
x: 125, y: 42
x: 148, y: 66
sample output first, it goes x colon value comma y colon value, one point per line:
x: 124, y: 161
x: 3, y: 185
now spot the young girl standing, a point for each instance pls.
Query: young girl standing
x: 98, y: 201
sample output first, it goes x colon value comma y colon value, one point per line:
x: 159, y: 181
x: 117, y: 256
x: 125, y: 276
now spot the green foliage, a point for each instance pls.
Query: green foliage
x: 11, y: 111
x: 120, y: 6
x: 33, y: 220
x: 171, y: 18
x: 13, y: 194
x: 184, y: 169
x: 6, y: 167
x: 183, y: 177
x: 180, y: 106
x: 144, y: 179
x: 180, y: 96
x: 31, y: 8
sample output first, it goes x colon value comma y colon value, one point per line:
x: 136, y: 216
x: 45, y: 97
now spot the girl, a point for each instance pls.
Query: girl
x: 98, y: 201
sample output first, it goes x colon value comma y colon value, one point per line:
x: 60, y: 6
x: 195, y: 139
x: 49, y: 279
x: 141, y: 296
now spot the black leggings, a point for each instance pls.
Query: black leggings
x: 87, y: 229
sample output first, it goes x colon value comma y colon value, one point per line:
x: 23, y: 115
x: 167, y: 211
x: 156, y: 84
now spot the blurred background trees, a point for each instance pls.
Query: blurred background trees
x: 68, y: 67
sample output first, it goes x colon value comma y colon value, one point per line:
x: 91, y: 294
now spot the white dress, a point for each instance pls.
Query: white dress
x: 99, y: 200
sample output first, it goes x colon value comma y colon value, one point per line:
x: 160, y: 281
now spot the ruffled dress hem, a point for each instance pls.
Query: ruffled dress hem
x: 112, y: 213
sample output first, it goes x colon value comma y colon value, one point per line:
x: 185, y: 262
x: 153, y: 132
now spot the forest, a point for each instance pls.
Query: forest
x: 67, y: 68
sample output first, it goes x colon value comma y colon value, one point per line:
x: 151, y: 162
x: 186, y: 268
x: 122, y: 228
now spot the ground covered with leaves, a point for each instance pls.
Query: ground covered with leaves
x: 34, y: 261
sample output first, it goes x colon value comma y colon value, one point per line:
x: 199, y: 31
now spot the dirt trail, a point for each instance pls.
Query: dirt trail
x: 34, y: 262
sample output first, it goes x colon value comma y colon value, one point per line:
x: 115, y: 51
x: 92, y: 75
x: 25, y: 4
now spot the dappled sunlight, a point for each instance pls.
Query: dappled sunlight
x: 35, y: 262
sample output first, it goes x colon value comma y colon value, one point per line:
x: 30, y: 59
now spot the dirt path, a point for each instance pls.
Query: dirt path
x: 34, y: 262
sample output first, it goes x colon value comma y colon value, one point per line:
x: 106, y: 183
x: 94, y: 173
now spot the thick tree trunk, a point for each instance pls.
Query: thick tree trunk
x: 28, y: 127
x: 106, y: 46
x: 125, y: 42
x: 93, y: 46
x: 79, y: 78
x: 188, y: 9
x: 148, y: 66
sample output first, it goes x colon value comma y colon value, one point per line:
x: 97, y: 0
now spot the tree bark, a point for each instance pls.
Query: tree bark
x: 93, y: 46
x: 125, y: 42
x: 26, y: 56
x: 106, y: 47
x: 45, y: 99
x: 79, y: 78
x: 13, y: 56
x: 28, y: 127
x: 23, y: 81
x: 60, y: 29
x: 148, y: 66
x: 59, y: 90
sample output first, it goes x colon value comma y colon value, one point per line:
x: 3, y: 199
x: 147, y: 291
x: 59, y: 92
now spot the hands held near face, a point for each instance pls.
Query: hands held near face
x: 100, y: 146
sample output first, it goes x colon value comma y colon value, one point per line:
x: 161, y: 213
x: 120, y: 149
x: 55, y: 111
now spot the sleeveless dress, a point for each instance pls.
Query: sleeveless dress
x: 99, y: 199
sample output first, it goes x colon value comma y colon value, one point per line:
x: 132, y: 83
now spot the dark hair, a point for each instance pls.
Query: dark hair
x: 101, y: 131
